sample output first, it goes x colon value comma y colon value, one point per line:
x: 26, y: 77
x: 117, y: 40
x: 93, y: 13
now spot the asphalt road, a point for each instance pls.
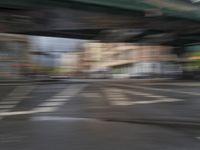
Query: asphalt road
x: 100, y: 115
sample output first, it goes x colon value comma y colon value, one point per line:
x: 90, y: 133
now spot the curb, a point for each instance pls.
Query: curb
x: 157, y: 122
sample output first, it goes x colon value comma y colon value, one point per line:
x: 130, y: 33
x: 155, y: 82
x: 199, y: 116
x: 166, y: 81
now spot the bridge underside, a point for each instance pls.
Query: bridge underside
x: 93, y: 22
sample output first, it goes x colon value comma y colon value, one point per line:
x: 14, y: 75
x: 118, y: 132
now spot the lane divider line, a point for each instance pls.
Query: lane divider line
x: 156, y: 89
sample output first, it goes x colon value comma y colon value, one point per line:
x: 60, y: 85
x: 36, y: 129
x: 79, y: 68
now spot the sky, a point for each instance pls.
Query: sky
x: 54, y: 46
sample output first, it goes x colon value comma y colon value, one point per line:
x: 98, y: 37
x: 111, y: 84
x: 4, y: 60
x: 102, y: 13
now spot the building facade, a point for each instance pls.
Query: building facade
x: 70, y: 63
x: 13, y: 55
x: 131, y: 60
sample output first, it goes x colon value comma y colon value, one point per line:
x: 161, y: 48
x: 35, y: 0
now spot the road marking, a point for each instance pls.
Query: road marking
x: 189, y: 84
x: 126, y: 103
x: 58, y: 100
x: 198, y: 137
x: 61, y: 96
x: 150, y: 95
x: 6, y: 106
x: 15, y: 113
x: 44, y: 109
x: 53, y: 104
x: 157, y: 89
x: 58, y: 118
x: 13, y: 98
x: 118, y: 93
x: 8, y: 102
x: 122, y: 103
x: 39, y: 110
x: 90, y: 95
x: 117, y: 97
x: 157, y: 101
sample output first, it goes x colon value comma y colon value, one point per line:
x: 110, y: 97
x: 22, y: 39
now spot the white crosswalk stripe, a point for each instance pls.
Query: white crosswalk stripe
x: 6, y: 106
x: 50, y: 103
x: 91, y: 95
x: 15, y: 97
x: 54, y: 103
x: 8, y: 102
x: 58, y: 99
x: 116, y: 96
x: 44, y: 109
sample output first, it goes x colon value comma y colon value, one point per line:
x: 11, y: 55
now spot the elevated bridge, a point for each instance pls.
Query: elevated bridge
x: 171, y: 22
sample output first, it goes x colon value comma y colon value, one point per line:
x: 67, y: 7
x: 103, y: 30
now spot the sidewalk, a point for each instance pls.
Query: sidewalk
x: 167, y: 80
x: 25, y: 81
x: 74, y: 80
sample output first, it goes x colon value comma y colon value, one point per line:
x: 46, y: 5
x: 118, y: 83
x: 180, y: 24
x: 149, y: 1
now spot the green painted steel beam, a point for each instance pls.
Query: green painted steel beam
x: 175, y: 8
